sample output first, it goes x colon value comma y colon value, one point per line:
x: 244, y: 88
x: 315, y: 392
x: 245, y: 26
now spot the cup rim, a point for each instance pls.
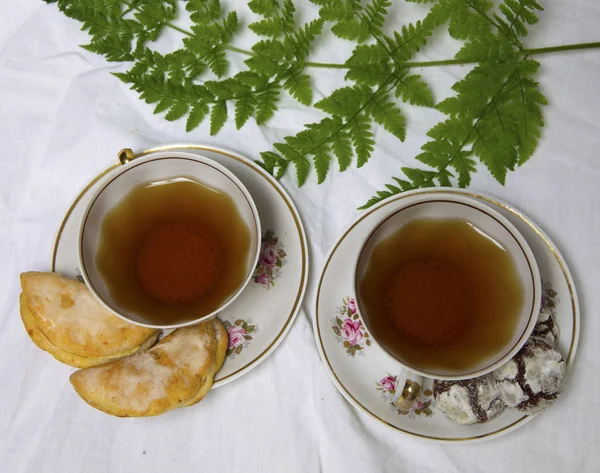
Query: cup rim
x: 139, y: 161
x: 521, y: 241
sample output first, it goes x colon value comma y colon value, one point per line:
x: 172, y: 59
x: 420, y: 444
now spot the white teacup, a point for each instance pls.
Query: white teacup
x: 155, y: 167
x: 495, y: 226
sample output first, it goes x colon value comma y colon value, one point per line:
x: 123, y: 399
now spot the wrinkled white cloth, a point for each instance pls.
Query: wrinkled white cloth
x: 63, y: 117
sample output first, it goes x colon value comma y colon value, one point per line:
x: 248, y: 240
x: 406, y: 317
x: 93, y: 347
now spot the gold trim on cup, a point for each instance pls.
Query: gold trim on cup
x: 532, y: 313
x: 206, y: 317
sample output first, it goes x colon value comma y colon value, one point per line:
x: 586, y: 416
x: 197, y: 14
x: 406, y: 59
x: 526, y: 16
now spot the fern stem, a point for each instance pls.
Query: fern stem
x: 565, y: 47
x: 326, y: 65
x: 239, y: 50
x: 177, y: 28
x: 443, y: 62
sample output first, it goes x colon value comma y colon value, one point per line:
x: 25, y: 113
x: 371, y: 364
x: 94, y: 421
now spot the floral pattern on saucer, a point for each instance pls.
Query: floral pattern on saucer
x: 272, y: 259
x: 239, y: 335
x: 349, y: 329
x: 422, y: 407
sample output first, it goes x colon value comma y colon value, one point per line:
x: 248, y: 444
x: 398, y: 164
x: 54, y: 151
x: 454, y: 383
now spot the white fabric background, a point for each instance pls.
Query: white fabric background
x: 62, y: 119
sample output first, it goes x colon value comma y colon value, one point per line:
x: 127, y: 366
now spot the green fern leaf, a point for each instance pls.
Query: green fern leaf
x: 299, y: 160
x: 207, y: 10
x: 488, y: 48
x: 350, y: 29
x: 196, y: 116
x: 369, y: 65
x: 344, y: 102
x: 270, y: 47
x: 302, y: 166
x: 342, y: 148
x: 163, y: 105
x: 419, y: 178
x: 385, y: 113
x: 272, y: 26
x: 244, y: 109
x: 468, y: 18
x: 252, y: 79
x: 269, y: 161
x: 267, y: 57
x: 361, y: 135
x: 266, y: 102
x: 412, y: 37
x: 297, y: 45
x: 516, y: 14
x: 178, y: 110
x: 346, y: 15
x: 298, y: 85
x: 273, y: 164
x: 266, y: 8
x: 276, y: 24
x: 217, y: 61
x: 218, y: 116
x: 219, y: 89
x: 414, y: 90
x: 154, y: 15
x: 264, y: 65
x: 374, y: 16
x: 322, y: 161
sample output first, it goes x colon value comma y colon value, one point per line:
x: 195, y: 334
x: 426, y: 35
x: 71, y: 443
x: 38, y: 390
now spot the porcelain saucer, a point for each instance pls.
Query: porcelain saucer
x: 259, y: 319
x: 363, y: 372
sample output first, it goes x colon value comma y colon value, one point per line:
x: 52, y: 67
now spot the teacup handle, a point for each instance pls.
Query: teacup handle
x: 408, y: 388
x: 126, y: 155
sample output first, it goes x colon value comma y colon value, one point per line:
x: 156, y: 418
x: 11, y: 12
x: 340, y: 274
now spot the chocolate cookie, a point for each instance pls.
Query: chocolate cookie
x: 533, y: 379
x: 469, y: 401
x: 546, y: 327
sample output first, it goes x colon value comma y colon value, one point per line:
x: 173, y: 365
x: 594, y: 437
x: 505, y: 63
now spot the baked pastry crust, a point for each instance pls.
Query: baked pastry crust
x: 63, y: 318
x: 176, y: 372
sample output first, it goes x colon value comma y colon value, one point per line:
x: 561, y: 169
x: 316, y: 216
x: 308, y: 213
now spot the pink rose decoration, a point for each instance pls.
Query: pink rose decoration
x: 352, y: 331
x: 388, y: 383
x: 352, y: 306
x: 269, y: 256
x: 236, y: 335
x: 263, y: 279
x: 419, y: 405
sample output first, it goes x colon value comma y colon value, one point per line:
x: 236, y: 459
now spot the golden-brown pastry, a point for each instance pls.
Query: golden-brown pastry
x: 176, y: 372
x: 62, y: 317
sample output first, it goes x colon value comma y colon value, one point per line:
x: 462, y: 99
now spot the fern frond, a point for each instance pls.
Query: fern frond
x: 297, y: 44
x: 277, y: 22
x: 468, y: 18
x: 298, y: 85
x: 385, y: 113
x: 266, y: 102
x: 116, y: 37
x: 266, y: 8
x: 413, y: 89
x: 515, y: 15
x: 210, y: 36
x: 495, y: 117
x: 344, y: 13
x: 245, y: 107
x: 218, y: 116
x: 374, y: 16
x: 369, y: 65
